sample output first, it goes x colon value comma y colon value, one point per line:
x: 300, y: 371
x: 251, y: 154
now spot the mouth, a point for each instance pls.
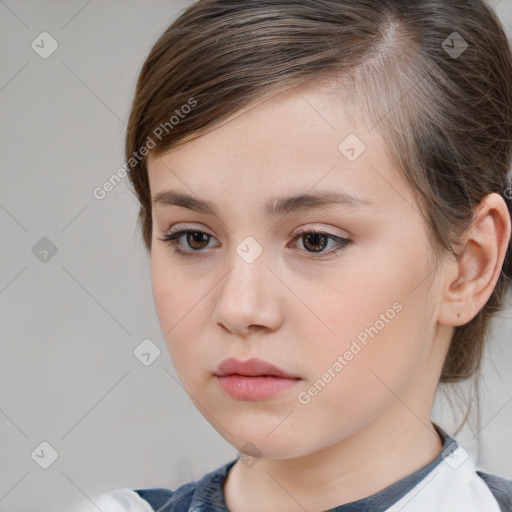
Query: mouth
x: 253, y: 379
x: 251, y: 388
x: 251, y: 368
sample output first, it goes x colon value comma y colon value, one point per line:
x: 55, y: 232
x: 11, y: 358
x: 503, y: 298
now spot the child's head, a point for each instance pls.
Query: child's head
x: 405, y: 105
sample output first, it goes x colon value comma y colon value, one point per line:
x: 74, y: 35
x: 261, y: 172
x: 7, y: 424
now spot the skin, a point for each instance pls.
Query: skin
x: 301, y: 313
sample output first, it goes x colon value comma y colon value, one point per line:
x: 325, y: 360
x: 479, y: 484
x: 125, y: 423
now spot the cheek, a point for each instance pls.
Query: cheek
x: 174, y: 293
x: 377, y: 321
x: 356, y: 377
x: 181, y: 306
x: 165, y: 284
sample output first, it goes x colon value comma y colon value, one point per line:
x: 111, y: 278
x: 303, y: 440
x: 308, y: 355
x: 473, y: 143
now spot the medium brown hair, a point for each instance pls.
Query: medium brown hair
x: 443, y: 109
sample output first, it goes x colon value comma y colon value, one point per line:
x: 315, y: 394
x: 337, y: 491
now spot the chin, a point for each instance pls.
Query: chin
x: 258, y: 445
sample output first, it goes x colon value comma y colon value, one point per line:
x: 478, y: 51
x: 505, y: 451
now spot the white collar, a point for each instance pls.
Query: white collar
x: 452, y: 486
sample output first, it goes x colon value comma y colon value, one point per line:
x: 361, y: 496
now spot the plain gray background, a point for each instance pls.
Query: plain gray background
x: 70, y: 321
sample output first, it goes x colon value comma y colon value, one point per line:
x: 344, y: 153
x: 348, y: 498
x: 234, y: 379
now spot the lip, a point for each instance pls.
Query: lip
x: 251, y: 368
x: 254, y: 379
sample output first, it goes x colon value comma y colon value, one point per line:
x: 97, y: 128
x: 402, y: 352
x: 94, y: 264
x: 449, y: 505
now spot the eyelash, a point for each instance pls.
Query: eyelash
x: 172, y: 240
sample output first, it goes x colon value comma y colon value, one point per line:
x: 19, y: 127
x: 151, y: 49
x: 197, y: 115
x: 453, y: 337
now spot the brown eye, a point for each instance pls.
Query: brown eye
x: 195, y: 242
x: 197, y: 239
x: 315, y: 242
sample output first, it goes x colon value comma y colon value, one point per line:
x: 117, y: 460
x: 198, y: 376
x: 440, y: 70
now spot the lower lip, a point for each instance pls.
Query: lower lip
x: 254, y: 388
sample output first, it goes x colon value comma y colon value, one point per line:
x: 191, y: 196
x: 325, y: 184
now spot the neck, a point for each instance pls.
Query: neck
x: 355, y: 467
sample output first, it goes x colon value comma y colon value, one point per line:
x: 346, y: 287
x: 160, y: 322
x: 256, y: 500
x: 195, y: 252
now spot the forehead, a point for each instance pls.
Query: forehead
x: 296, y: 140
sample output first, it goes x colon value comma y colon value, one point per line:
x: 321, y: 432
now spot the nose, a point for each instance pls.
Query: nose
x: 247, y: 297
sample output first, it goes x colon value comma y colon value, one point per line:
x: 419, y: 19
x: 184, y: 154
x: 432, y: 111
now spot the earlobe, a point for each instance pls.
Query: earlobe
x: 471, y: 279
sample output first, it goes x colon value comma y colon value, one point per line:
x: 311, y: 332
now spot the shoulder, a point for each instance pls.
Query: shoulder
x: 120, y: 500
x: 186, y: 497
x: 146, y: 500
x: 500, y: 487
x: 166, y: 500
x: 456, y: 456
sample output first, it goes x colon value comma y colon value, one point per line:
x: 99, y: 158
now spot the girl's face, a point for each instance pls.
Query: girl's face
x: 351, y: 312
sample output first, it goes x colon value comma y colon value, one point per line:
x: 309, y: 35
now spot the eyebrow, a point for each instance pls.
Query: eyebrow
x: 273, y: 207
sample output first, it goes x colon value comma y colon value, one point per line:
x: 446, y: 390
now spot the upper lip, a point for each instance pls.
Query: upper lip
x: 251, y: 367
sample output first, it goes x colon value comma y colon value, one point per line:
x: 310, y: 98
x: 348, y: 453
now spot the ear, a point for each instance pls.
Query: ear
x: 471, y: 279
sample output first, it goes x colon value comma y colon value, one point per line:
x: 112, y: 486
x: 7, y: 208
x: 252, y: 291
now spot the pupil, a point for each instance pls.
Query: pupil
x: 315, y: 237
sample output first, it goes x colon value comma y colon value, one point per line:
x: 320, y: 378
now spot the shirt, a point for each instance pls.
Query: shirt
x: 449, y: 483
